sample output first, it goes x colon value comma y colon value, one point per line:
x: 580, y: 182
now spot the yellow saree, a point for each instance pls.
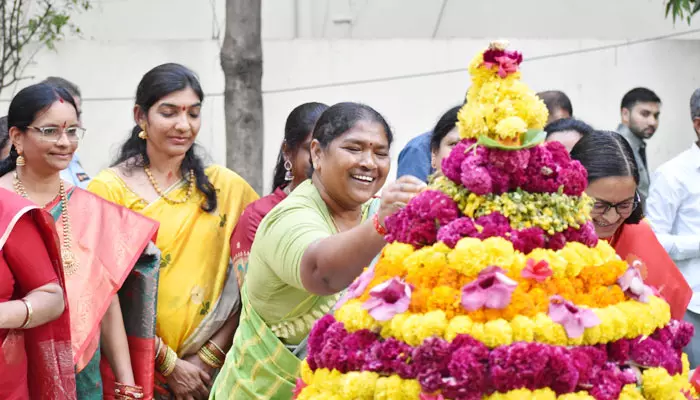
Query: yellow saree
x: 197, y: 289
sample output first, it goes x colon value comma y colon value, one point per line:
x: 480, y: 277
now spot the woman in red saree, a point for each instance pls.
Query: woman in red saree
x: 100, y: 243
x: 293, y: 165
x: 618, y: 214
x: 35, y: 353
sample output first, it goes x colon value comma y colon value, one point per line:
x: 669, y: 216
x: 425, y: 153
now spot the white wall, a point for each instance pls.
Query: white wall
x: 123, y: 39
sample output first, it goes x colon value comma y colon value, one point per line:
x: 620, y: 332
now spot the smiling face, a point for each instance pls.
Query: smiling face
x: 354, y: 166
x: 611, y: 190
x: 42, y: 154
x: 172, y: 123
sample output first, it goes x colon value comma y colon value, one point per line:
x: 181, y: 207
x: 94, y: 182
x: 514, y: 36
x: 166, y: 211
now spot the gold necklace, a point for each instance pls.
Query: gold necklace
x: 70, y: 262
x: 190, y: 189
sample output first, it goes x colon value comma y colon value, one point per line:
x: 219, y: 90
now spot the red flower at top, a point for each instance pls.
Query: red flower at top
x: 507, y: 61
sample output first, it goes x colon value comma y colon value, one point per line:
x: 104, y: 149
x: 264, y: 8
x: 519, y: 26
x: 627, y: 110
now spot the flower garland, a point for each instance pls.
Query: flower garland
x: 438, y: 264
x: 441, y: 289
x: 524, y: 240
x: 628, y: 319
x: 323, y: 384
x: 476, y: 370
x: 419, y: 221
x: 553, y: 212
x: 547, y: 168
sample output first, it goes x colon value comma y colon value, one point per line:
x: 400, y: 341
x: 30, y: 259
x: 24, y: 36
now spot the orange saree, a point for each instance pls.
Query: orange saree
x: 107, y: 241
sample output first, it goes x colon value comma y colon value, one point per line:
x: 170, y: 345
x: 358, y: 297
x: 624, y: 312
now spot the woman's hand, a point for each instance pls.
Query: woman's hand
x: 189, y: 382
x: 197, y: 362
x: 397, y: 194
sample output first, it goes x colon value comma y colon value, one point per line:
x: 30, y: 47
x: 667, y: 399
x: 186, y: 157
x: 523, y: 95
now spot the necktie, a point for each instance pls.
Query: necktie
x: 643, y: 154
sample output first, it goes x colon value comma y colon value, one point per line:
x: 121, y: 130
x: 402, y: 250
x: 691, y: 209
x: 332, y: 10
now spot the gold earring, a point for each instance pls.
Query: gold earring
x: 20, y: 162
x: 143, y: 135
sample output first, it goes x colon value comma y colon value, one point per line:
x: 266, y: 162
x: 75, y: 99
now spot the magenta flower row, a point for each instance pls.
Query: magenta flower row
x: 524, y: 240
x: 540, y: 169
x: 433, y: 216
x: 466, y: 368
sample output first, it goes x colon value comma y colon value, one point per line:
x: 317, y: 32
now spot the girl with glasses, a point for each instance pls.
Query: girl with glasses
x: 618, y: 215
x: 100, y: 242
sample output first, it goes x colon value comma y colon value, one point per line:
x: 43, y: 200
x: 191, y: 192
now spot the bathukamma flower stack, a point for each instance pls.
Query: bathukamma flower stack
x: 494, y: 284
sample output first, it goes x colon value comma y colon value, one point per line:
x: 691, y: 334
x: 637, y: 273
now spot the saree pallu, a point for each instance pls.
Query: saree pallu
x: 39, y: 359
x: 137, y: 298
x: 107, y: 241
x: 639, y: 241
x: 259, y: 365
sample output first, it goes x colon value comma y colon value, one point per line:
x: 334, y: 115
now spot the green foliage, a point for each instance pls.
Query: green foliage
x: 27, y: 27
x: 682, y: 9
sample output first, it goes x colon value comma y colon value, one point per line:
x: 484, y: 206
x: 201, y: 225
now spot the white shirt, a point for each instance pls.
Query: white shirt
x: 673, y: 208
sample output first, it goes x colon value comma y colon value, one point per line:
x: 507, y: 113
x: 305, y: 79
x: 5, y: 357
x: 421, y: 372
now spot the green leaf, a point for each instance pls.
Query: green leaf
x: 531, y: 138
x: 696, y: 7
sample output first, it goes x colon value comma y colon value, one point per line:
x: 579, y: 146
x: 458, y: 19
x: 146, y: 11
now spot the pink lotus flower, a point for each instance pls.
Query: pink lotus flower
x: 632, y: 284
x: 573, y: 319
x: 357, y: 287
x: 492, y: 289
x: 388, y: 299
x: 507, y: 61
x: 539, y: 271
x: 298, y: 388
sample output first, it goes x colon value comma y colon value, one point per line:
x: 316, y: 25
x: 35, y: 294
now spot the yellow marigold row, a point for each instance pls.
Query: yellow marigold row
x: 325, y: 384
x: 470, y: 256
x: 628, y: 319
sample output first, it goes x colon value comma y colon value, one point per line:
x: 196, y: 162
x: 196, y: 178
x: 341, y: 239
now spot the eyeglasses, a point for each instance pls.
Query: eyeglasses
x: 53, y: 134
x: 624, y: 208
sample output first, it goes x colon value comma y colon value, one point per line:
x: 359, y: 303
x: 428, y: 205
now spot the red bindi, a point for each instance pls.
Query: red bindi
x: 184, y: 108
x: 64, y: 124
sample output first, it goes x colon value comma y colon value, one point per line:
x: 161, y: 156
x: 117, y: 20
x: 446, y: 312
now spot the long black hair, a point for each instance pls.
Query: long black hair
x: 27, y: 104
x: 298, y: 127
x: 605, y: 154
x: 156, y: 84
x: 445, y: 124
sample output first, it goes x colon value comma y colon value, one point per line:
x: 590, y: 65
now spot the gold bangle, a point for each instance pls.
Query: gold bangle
x: 214, y: 360
x: 207, y: 359
x: 168, y: 365
x: 30, y: 311
x: 211, y: 342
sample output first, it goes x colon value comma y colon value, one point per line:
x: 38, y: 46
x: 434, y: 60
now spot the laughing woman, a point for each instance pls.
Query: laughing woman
x: 309, y: 248
x: 100, y: 242
x: 160, y: 174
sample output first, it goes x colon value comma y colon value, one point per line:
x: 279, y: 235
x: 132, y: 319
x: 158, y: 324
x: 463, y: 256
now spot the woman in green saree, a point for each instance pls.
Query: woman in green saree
x: 309, y: 248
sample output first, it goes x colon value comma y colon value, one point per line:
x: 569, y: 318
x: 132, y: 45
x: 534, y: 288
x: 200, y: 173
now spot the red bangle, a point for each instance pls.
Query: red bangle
x: 378, y: 226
